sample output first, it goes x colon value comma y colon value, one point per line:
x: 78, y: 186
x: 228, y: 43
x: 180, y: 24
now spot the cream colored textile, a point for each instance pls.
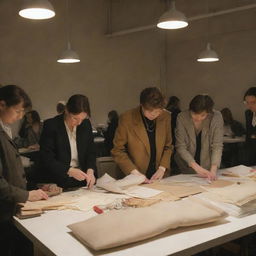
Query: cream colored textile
x: 118, y: 186
x: 176, y: 190
x: 238, y: 194
x: 121, y: 227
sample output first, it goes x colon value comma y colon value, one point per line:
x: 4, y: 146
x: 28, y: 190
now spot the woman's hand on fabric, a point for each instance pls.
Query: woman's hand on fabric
x: 159, y: 174
x: 136, y: 172
x: 36, y: 195
x: 77, y: 174
x: 213, y: 171
x: 90, y: 178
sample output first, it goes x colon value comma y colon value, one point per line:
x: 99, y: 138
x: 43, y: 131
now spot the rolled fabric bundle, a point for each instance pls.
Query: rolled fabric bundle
x: 120, y: 227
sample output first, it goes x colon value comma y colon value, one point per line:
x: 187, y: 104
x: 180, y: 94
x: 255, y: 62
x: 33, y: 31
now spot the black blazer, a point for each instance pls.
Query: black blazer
x: 55, y: 152
x: 250, y: 130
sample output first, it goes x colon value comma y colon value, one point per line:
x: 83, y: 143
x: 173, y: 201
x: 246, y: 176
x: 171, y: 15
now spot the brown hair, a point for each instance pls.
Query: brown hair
x: 13, y: 95
x: 152, y: 97
x: 201, y: 103
x: 77, y: 104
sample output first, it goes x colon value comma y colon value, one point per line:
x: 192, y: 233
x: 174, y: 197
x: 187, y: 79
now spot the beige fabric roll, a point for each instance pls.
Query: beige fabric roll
x: 121, y: 227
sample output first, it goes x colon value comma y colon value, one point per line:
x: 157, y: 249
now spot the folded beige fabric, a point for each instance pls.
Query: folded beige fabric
x: 176, y: 190
x: 238, y: 194
x: 121, y: 227
x: 118, y: 186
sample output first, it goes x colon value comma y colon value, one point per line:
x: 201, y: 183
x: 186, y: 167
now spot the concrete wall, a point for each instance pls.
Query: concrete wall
x: 113, y: 70
x: 233, y: 37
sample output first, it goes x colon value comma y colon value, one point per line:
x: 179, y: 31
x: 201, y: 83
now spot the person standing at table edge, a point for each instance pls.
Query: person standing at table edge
x: 250, y: 117
x: 67, y: 153
x: 13, y: 101
x: 142, y: 142
x: 199, y: 138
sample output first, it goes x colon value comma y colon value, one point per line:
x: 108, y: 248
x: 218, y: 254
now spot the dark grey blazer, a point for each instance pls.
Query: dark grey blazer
x: 12, y: 178
x: 211, y: 141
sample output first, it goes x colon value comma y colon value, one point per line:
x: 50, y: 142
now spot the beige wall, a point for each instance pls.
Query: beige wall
x: 114, y: 70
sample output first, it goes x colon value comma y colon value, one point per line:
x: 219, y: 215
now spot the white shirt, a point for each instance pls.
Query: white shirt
x: 73, y: 147
x: 6, y: 128
x: 254, y: 119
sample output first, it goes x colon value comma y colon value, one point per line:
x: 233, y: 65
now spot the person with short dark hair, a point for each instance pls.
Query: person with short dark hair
x: 60, y: 107
x: 13, y: 102
x: 33, y: 131
x: 232, y: 128
x: 250, y: 118
x: 111, y: 129
x: 174, y: 107
x: 67, y: 154
x: 199, y: 138
x: 142, y: 142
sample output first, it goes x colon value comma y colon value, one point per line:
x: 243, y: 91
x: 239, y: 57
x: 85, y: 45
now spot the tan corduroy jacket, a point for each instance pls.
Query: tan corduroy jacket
x: 131, y: 144
x: 211, y: 141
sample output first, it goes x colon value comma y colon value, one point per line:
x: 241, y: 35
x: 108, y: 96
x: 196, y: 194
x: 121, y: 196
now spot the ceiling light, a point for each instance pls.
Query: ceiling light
x: 37, y: 9
x: 208, y: 55
x: 68, y: 56
x: 172, y: 19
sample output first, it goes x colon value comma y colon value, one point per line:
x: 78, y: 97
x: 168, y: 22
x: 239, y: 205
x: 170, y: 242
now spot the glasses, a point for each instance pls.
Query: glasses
x: 249, y: 103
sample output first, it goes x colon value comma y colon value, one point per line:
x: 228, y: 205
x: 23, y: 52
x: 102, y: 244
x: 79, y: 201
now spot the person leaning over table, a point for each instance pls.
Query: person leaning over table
x: 199, y: 138
x: 13, y: 101
x: 67, y: 154
x: 142, y: 142
x: 250, y: 117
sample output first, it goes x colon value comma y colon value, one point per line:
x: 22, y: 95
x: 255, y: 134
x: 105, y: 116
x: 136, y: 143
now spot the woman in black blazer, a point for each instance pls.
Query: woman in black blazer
x: 67, y: 155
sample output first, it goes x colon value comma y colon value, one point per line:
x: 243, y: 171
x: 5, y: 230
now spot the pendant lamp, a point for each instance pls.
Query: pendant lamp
x: 37, y: 9
x: 172, y: 19
x: 68, y: 55
x: 208, y: 55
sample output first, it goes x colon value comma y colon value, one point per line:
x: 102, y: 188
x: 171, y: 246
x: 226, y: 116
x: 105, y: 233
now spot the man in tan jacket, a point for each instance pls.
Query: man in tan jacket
x: 142, y: 142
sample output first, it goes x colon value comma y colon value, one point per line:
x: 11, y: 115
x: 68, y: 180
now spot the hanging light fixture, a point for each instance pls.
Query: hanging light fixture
x: 37, y: 9
x: 172, y: 19
x: 208, y: 55
x: 69, y: 55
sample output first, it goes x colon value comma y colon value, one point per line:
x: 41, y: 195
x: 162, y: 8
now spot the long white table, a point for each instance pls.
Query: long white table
x: 50, y: 234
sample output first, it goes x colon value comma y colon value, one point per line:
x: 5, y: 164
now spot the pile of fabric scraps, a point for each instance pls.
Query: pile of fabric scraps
x: 237, y: 200
x: 135, y: 224
x: 240, y: 173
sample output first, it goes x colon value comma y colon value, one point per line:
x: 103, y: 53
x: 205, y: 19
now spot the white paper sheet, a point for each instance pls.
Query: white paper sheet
x: 142, y: 192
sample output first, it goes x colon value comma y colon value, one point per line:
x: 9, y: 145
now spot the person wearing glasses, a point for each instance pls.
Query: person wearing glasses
x: 199, y: 138
x: 250, y: 117
x: 13, y: 102
x: 67, y: 154
x: 142, y: 142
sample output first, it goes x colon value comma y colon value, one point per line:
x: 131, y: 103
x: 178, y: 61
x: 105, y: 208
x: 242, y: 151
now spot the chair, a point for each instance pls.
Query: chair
x: 107, y: 165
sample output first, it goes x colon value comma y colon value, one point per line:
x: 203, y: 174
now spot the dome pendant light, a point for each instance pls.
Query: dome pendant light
x: 172, y: 19
x: 69, y: 55
x: 208, y: 55
x: 37, y: 10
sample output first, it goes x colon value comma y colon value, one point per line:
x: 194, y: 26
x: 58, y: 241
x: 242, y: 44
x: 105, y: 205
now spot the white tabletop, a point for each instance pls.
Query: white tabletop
x: 227, y: 139
x: 50, y: 234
